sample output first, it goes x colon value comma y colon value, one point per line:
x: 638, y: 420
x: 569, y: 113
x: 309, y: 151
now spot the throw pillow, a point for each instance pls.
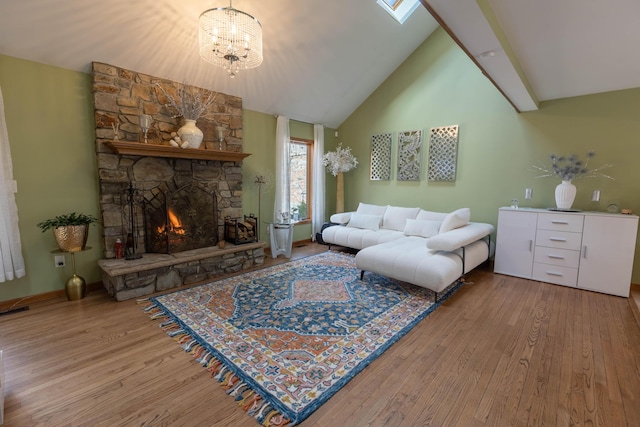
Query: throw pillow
x: 430, y: 216
x: 427, y: 229
x: 395, y: 218
x: 366, y: 209
x: 369, y: 222
x: 455, y: 219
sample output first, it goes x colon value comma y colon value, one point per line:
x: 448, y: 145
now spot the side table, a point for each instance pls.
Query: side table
x: 76, y: 286
x: 281, y: 234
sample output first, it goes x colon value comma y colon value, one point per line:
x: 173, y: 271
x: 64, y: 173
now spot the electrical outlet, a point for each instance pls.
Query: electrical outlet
x: 59, y: 260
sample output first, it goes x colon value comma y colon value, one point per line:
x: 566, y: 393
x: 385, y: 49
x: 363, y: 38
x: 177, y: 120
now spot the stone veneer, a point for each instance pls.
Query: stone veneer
x: 158, y: 272
x: 120, y: 97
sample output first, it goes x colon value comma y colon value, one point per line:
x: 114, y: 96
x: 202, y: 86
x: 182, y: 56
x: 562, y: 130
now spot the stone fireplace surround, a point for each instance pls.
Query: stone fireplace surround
x: 120, y: 96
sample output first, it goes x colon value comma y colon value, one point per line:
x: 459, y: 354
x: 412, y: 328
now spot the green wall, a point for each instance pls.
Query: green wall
x: 438, y: 85
x: 49, y: 113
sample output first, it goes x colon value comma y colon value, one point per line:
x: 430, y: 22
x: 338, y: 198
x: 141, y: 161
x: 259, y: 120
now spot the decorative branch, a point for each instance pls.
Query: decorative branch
x: 191, y: 103
x: 571, y: 167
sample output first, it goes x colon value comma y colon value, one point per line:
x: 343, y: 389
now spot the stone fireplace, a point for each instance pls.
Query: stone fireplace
x: 168, y: 203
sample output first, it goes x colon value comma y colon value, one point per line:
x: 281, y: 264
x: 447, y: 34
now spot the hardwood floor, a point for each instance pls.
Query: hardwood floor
x: 501, y: 351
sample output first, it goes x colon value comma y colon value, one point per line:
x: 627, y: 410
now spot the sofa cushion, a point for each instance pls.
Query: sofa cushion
x: 369, y: 222
x: 430, y: 216
x: 409, y: 260
x: 358, y: 238
x: 364, y: 208
x: 395, y: 218
x: 427, y: 229
x: 455, y: 219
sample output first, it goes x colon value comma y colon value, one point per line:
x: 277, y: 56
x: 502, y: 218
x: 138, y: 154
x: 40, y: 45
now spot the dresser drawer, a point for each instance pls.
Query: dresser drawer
x: 559, y: 239
x: 555, y: 256
x: 555, y: 274
x: 560, y: 222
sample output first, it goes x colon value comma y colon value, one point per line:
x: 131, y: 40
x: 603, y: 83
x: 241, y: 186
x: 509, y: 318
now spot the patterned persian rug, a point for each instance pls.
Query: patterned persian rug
x: 284, y: 339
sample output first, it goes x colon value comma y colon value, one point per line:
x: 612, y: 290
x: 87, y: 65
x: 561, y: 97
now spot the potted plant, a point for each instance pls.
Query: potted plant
x: 70, y: 230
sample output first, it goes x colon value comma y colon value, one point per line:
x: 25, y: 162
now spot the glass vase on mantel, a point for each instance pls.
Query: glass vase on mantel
x: 191, y: 134
x: 565, y: 195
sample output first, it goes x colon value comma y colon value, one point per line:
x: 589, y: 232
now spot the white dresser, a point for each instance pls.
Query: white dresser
x: 588, y: 250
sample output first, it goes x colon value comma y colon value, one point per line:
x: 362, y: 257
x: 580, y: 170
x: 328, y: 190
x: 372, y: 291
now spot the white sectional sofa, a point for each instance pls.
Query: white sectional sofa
x: 428, y: 249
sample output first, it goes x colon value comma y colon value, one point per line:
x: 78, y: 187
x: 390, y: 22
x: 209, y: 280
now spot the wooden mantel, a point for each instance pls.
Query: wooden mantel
x: 154, y: 150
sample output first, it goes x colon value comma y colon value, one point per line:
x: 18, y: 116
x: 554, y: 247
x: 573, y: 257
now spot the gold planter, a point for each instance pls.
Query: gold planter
x: 76, y: 288
x: 71, y: 238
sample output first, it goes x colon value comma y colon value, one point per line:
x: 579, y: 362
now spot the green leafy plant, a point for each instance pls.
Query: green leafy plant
x: 67, y: 219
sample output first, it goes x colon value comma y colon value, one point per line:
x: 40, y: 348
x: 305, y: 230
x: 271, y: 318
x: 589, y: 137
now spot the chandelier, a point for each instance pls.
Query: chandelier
x: 231, y: 39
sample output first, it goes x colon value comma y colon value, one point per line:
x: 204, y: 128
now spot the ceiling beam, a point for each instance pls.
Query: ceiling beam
x: 504, y: 72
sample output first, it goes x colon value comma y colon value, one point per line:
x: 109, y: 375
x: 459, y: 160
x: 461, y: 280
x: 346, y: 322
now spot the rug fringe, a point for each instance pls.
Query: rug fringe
x: 247, y: 398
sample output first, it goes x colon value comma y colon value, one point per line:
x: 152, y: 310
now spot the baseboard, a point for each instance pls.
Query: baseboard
x: 46, y: 296
x: 301, y: 243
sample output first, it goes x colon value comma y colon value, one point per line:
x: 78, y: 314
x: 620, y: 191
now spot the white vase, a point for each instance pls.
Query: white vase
x: 565, y: 195
x: 191, y: 134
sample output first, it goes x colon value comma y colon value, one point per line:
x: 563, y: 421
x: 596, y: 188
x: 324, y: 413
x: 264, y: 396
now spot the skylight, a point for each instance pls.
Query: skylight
x: 399, y: 9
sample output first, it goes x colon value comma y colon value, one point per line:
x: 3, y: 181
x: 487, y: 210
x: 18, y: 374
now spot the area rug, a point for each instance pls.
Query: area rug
x: 284, y: 339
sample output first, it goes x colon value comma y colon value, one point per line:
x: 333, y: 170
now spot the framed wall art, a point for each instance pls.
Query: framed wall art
x: 443, y: 153
x: 381, y: 157
x: 409, y: 155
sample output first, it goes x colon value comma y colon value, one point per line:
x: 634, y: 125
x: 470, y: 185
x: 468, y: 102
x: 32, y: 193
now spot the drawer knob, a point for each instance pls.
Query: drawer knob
x: 560, y: 222
x: 553, y: 273
x: 555, y: 256
x: 557, y: 239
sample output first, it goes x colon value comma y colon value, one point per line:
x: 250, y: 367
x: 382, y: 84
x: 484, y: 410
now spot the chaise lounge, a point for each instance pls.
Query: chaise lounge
x: 428, y: 249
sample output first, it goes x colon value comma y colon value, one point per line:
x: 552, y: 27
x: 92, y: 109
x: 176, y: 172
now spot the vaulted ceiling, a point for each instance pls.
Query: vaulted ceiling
x: 323, y: 58
x: 548, y: 49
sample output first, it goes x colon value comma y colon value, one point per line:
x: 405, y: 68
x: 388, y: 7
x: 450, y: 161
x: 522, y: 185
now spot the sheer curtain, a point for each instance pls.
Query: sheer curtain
x: 283, y: 138
x: 317, y: 205
x: 10, y: 246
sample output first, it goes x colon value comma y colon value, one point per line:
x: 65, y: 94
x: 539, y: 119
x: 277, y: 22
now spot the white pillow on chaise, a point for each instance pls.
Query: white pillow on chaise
x: 456, y: 219
x: 430, y: 216
x: 369, y: 222
x: 419, y: 228
x: 395, y: 218
x: 364, y: 208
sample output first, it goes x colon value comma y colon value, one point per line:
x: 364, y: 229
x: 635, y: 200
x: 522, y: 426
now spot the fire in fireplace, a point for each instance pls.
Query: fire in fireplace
x: 180, y: 220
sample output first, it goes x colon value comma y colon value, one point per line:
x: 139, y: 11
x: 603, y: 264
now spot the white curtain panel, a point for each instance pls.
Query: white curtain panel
x: 317, y: 204
x: 283, y: 139
x: 10, y: 246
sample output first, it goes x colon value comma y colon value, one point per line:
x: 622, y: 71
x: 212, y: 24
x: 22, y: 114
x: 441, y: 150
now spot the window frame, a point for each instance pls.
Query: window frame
x: 401, y: 9
x: 309, y: 143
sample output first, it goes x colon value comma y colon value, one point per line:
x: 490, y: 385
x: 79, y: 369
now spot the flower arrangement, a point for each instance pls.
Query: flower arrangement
x: 191, y: 104
x: 571, y: 167
x: 340, y: 160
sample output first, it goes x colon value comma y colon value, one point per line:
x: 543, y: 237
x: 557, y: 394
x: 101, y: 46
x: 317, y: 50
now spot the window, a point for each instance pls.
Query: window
x: 399, y: 9
x: 301, y: 161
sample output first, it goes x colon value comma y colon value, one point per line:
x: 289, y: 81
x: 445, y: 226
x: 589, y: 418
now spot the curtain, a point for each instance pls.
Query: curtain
x: 317, y: 204
x: 10, y: 246
x: 283, y: 139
